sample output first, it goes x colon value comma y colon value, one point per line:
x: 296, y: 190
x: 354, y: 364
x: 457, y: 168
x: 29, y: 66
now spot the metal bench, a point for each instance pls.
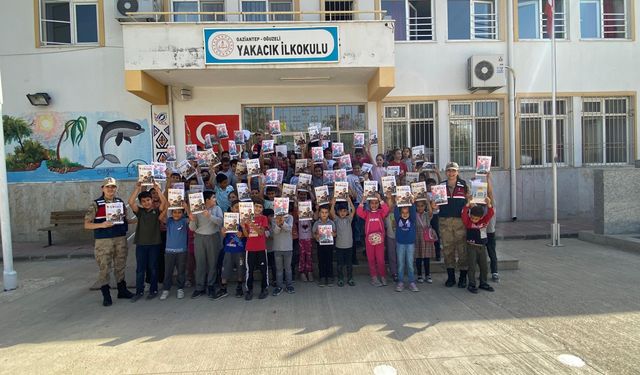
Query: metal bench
x: 63, y: 220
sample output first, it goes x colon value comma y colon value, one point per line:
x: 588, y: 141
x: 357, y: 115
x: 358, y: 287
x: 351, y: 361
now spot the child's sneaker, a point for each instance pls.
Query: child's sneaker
x: 495, y: 277
x: 276, y: 291
x: 310, y: 277
x: 303, y: 277
x: 487, y: 287
x: 197, y: 293
x: 321, y: 283
x: 383, y: 281
x: 221, y: 293
x: 340, y: 283
x: 188, y: 284
x: 428, y: 280
x: 136, y: 297
x: 290, y: 289
x: 375, y: 282
x: 263, y: 294
x: 164, y: 295
x: 180, y: 294
x: 239, y: 291
x: 329, y: 282
x: 420, y: 279
x: 248, y: 296
x: 472, y: 289
x: 413, y: 287
x: 351, y: 282
x: 152, y: 295
x: 395, y: 278
x: 399, y: 287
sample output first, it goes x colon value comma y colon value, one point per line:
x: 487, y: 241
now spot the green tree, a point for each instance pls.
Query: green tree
x: 15, y: 129
x: 74, y: 129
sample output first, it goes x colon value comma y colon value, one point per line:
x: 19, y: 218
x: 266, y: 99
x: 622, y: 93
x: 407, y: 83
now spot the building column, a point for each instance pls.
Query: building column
x: 575, y: 135
x: 443, y: 133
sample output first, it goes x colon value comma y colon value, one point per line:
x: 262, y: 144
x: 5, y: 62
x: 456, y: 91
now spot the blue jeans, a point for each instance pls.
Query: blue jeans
x: 405, y: 259
x: 147, y: 258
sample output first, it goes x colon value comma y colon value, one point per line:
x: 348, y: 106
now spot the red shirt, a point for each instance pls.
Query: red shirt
x: 256, y: 242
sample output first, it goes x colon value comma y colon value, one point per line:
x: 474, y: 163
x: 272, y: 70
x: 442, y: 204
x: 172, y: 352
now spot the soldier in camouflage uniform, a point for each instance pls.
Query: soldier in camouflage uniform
x: 110, y: 241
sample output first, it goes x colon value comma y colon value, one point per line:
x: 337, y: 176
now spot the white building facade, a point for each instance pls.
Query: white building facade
x: 395, y: 67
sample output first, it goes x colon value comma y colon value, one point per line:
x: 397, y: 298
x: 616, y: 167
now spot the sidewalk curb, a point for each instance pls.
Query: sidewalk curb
x: 27, y: 258
x: 535, y: 236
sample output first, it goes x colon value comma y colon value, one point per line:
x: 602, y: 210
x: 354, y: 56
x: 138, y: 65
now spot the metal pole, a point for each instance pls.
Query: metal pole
x: 555, y: 227
x: 10, y: 277
x: 512, y: 112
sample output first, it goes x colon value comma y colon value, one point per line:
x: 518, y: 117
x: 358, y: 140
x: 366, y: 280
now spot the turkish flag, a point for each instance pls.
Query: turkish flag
x: 198, y: 126
x: 548, y: 10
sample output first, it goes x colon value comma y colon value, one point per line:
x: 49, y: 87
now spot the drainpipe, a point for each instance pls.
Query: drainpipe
x: 10, y: 277
x: 512, y: 111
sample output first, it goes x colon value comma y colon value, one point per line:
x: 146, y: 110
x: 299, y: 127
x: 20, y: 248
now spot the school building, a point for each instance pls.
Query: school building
x: 462, y: 77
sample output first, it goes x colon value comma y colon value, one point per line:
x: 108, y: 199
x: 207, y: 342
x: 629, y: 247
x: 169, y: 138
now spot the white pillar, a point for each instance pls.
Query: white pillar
x: 10, y: 277
x: 443, y: 133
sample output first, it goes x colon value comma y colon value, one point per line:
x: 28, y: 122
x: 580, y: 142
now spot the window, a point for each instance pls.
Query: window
x: 472, y: 19
x: 267, y: 6
x: 343, y: 119
x: 339, y: 6
x: 474, y: 129
x: 532, y: 20
x: 198, y: 6
x: 407, y: 125
x: 605, y: 130
x: 68, y: 22
x: 536, y: 121
x: 603, y: 19
x: 418, y: 25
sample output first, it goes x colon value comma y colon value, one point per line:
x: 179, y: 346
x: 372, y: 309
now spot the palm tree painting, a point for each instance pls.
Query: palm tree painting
x: 73, y: 129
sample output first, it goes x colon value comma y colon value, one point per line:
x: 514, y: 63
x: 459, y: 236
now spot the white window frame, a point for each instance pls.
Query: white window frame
x: 407, y: 121
x: 541, y: 21
x: 628, y: 117
x: 72, y: 22
x: 493, y: 35
x: 544, y: 117
x: 616, y: 17
x: 413, y: 33
x: 218, y: 18
x: 338, y: 16
x: 473, y: 117
x: 269, y: 17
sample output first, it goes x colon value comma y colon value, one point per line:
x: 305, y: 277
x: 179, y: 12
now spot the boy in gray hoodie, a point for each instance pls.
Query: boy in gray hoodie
x: 281, y: 226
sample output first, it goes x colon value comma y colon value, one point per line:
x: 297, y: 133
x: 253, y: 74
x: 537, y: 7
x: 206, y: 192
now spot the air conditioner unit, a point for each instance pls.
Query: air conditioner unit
x: 125, y: 6
x: 485, y: 72
x: 182, y: 94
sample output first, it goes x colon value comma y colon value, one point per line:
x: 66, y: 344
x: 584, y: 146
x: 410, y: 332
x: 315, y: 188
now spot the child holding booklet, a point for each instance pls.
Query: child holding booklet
x: 374, y: 232
x: 281, y: 227
x: 342, y: 216
x: 233, y: 244
x: 256, y: 249
x: 424, y: 249
x: 175, y: 256
x: 405, y: 225
x: 305, y: 234
x: 325, y: 251
x: 476, y: 220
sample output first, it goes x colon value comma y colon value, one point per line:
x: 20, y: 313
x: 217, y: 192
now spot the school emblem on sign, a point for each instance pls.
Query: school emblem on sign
x: 222, y: 45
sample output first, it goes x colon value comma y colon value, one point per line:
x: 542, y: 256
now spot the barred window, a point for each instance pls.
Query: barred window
x: 536, y: 122
x: 605, y: 131
x: 474, y: 129
x: 408, y: 125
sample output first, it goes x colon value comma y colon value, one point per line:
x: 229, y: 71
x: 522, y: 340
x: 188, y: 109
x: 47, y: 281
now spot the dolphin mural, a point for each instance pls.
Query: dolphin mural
x: 121, y: 130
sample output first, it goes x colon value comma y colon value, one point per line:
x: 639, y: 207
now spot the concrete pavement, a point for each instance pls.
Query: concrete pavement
x: 582, y: 300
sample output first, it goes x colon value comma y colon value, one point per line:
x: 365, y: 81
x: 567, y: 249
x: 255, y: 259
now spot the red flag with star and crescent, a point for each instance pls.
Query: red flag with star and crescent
x: 548, y: 10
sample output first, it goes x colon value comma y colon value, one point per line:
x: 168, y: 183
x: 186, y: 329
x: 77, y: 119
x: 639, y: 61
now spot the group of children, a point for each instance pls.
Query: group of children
x: 280, y: 246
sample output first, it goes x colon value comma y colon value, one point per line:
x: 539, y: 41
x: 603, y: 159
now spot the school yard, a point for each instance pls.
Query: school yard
x: 581, y: 300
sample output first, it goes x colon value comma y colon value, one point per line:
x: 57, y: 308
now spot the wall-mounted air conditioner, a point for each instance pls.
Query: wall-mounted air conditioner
x: 485, y: 72
x: 125, y: 6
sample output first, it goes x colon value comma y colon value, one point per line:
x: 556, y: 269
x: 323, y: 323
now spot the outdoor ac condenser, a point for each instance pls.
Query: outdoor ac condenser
x: 124, y: 6
x: 485, y: 72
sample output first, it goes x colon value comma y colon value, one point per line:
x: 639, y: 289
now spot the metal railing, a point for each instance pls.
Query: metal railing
x: 484, y: 26
x: 559, y: 24
x: 614, y: 25
x: 420, y: 28
x: 297, y: 15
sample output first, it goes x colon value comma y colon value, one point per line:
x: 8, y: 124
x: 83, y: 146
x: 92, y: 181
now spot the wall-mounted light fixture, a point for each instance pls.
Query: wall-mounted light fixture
x: 39, y: 99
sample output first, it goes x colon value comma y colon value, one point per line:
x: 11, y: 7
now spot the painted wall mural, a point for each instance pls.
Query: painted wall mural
x: 73, y: 146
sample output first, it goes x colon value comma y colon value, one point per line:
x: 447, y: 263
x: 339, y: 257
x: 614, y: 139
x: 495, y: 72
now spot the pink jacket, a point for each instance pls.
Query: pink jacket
x: 373, y: 221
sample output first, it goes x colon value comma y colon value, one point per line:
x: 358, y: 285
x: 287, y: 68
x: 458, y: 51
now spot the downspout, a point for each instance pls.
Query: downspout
x: 511, y: 81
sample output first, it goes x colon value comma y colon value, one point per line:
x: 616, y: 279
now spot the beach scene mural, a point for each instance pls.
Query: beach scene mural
x: 75, y: 146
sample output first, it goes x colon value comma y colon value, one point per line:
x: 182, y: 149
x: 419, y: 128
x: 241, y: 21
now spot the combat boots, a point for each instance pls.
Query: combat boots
x: 462, y: 281
x: 123, y: 292
x: 106, y: 295
x: 451, y: 277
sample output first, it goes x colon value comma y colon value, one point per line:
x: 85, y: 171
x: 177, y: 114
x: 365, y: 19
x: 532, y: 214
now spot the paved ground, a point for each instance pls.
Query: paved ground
x: 581, y: 300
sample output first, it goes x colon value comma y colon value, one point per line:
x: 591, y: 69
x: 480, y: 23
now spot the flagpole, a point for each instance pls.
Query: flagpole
x: 555, y: 227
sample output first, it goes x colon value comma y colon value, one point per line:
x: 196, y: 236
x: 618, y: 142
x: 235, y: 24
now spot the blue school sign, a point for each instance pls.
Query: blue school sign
x: 272, y: 45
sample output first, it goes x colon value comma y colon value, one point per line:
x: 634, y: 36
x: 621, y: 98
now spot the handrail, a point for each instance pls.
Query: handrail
x: 379, y: 14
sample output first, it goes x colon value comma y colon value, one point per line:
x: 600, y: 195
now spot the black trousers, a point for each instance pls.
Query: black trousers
x: 427, y: 266
x: 325, y: 260
x: 343, y: 258
x: 257, y: 260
